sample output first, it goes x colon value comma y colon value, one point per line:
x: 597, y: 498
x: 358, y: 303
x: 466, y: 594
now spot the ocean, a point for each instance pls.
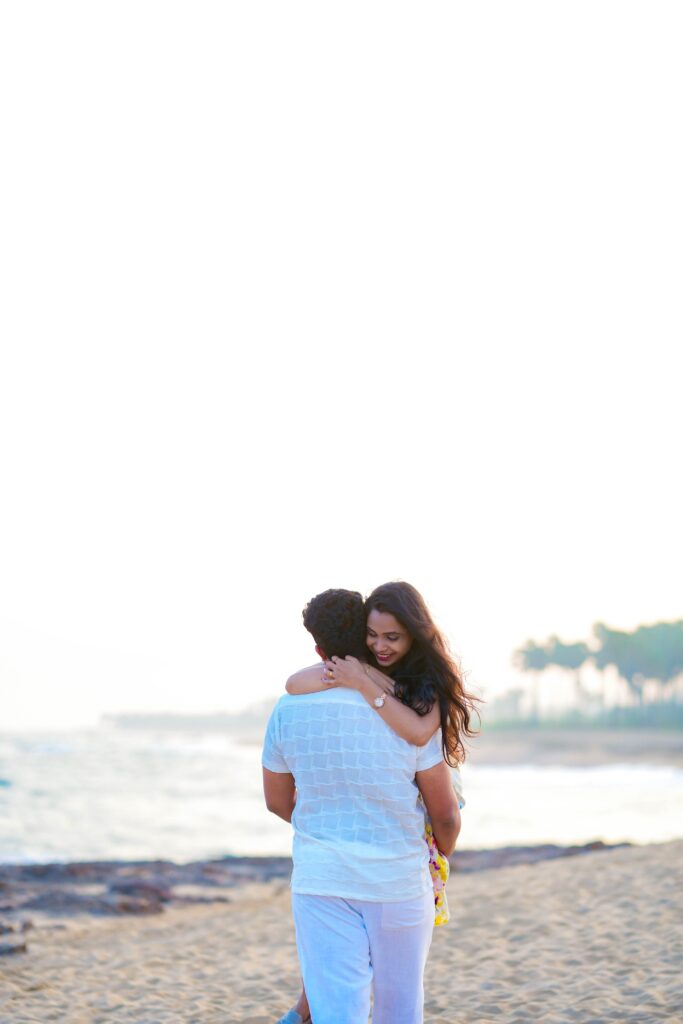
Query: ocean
x: 116, y: 794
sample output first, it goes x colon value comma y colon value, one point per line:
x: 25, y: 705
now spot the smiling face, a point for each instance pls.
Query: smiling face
x: 388, y: 640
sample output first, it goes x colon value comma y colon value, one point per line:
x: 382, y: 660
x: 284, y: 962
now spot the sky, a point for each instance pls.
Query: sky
x: 305, y: 296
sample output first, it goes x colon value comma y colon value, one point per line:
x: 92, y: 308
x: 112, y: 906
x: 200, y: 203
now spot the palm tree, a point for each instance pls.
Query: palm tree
x: 649, y: 652
x: 532, y: 658
x: 646, y: 653
x: 570, y: 657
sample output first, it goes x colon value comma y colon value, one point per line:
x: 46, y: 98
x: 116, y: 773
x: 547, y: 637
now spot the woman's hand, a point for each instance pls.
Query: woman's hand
x: 386, y: 682
x: 348, y: 672
x: 354, y: 674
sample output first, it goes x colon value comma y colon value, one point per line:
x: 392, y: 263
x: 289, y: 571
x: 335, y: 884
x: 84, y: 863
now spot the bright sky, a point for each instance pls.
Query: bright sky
x: 306, y: 295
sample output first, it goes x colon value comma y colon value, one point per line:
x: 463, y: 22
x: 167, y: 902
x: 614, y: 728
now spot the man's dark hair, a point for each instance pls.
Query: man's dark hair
x: 336, y: 621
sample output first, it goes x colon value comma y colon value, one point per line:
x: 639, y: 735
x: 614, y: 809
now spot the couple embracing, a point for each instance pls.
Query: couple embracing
x: 360, y: 758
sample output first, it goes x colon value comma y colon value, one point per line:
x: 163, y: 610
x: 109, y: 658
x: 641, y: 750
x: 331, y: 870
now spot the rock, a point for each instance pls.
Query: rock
x: 81, y: 870
x: 40, y: 870
x: 7, y: 949
x: 66, y: 901
x: 130, y: 905
x: 5, y: 929
x: 505, y: 856
x: 142, y: 890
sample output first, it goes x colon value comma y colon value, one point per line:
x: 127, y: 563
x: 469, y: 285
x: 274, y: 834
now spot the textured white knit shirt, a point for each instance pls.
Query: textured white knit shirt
x: 358, y: 825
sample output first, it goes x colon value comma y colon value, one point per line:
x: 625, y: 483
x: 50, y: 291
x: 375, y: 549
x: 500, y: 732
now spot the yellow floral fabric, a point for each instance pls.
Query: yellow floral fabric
x: 439, y: 869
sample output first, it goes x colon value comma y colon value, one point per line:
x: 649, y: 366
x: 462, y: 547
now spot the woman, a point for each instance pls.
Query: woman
x: 413, y: 682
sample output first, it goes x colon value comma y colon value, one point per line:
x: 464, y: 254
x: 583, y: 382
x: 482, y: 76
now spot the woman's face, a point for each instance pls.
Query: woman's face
x: 388, y: 640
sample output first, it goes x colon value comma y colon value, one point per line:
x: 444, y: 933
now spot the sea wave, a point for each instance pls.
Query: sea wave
x: 131, y: 794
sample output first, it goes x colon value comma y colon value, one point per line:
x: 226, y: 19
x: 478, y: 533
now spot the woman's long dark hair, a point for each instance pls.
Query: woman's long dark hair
x: 427, y: 672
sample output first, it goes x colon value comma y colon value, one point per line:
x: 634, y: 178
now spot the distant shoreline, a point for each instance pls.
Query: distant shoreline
x: 571, y: 747
x: 575, y: 747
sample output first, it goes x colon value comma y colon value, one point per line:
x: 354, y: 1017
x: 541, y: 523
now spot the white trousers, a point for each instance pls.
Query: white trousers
x: 349, y: 947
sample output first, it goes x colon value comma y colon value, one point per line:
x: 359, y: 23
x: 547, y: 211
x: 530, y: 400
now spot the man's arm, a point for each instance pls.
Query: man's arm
x: 436, y: 786
x: 279, y: 790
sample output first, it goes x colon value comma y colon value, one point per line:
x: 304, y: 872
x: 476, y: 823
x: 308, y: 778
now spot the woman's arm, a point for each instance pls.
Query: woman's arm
x: 436, y: 787
x: 315, y: 678
x: 372, y: 684
x: 308, y: 680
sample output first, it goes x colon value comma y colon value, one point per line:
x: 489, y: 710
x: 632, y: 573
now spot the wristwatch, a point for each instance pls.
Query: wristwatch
x: 379, y: 701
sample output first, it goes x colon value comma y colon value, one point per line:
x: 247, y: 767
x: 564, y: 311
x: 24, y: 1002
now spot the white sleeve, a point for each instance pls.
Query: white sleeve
x: 430, y: 754
x: 457, y: 786
x: 272, y: 758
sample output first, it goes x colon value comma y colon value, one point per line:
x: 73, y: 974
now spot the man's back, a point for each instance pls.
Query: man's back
x: 358, y: 822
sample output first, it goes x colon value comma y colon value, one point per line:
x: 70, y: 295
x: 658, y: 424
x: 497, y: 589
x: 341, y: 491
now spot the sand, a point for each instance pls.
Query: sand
x: 585, y: 940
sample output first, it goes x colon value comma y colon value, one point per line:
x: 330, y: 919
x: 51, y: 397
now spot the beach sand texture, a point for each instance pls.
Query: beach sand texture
x: 582, y: 940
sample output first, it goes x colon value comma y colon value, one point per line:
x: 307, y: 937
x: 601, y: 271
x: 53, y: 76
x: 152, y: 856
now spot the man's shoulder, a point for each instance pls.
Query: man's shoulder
x: 337, y: 703
x: 335, y: 695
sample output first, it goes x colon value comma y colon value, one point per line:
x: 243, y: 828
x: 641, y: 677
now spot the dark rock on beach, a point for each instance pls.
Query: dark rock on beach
x: 66, y: 901
x: 146, y: 887
x: 11, y: 928
x: 141, y: 890
x: 127, y: 887
x: 506, y: 856
x: 8, y: 948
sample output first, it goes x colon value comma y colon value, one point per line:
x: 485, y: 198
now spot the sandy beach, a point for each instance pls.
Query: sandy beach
x: 583, y: 939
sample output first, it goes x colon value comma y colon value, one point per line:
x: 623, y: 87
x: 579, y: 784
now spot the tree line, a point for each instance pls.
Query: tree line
x: 647, y: 653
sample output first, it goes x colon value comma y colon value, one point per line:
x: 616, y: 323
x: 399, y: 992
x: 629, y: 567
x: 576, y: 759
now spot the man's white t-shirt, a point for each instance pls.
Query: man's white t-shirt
x: 358, y: 823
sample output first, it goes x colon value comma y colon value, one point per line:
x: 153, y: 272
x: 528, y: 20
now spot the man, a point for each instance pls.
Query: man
x: 362, y: 896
